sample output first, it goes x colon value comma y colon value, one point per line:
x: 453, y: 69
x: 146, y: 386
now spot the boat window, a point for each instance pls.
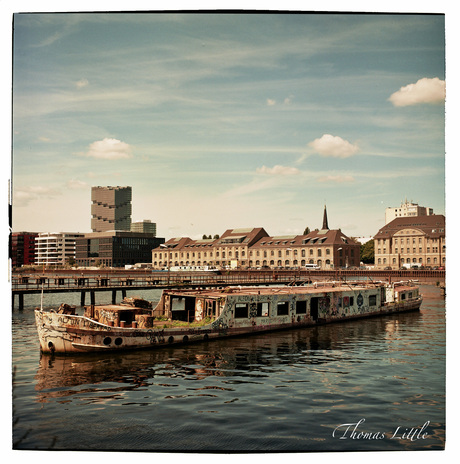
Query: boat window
x: 282, y: 308
x: 262, y: 309
x: 241, y: 310
x: 372, y: 300
x: 301, y: 307
x: 352, y: 300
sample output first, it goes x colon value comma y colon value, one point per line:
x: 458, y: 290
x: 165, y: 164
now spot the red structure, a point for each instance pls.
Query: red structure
x: 22, y: 248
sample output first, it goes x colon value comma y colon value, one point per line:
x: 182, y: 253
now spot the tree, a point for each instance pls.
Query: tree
x: 216, y: 236
x: 306, y: 231
x: 367, y: 252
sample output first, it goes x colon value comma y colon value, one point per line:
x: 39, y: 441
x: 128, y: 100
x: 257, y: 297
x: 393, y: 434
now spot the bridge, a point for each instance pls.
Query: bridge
x: 88, y: 282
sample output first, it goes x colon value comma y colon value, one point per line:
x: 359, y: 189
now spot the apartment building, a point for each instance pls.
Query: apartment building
x: 55, y: 248
x: 419, y: 240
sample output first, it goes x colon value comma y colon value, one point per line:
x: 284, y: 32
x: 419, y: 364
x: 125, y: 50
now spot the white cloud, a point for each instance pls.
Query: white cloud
x: 336, y: 179
x: 423, y: 91
x: 278, y: 170
x: 23, y: 196
x: 81, y: 83
x: 271, y: 102
x: 109, y: 149
x: 75, y: 184
x: 329, y: 145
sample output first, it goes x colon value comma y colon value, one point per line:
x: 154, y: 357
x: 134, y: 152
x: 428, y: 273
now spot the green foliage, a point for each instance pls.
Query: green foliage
x: 367, y: 252
x: 172, y: 324
x: 306, y: 231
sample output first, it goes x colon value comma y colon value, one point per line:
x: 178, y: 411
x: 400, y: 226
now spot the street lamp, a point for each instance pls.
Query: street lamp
x: 162, y: 245
x: 346, y: 257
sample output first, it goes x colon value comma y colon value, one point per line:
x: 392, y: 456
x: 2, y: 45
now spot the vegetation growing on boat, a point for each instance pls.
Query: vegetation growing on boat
x: 172, y: 324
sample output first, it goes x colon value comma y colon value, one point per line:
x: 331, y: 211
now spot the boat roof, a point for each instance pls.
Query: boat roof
x: 118, y: 307
x: 290, y: 290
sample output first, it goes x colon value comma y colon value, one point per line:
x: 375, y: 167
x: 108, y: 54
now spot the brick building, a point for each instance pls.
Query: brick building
x: 22, y: 248
x: 253, y: 247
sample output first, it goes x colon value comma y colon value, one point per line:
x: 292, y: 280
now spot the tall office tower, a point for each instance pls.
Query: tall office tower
x: 110, y: 208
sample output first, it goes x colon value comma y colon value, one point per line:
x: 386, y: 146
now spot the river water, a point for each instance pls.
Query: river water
x: 375, y: 384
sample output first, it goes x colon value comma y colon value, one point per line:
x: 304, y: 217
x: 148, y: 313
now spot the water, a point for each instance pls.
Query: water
x: 285, y: 391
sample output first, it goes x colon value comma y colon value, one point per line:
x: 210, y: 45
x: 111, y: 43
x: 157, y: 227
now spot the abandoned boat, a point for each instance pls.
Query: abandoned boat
x: 183, y: 316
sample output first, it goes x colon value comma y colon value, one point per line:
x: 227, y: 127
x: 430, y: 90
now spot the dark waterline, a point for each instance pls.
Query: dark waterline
x: 286, y: 391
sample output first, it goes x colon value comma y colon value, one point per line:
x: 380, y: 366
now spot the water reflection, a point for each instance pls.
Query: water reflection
x: 278, y: 391
x: 247, y: 359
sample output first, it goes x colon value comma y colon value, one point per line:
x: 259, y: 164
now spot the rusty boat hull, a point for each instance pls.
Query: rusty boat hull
x: 216, y: 314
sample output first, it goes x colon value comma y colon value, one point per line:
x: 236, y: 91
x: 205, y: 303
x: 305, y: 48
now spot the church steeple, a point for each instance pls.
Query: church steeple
x: 325, y: 226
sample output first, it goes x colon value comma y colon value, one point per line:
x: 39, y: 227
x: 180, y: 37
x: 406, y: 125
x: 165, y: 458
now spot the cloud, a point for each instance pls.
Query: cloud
x: 81, y: 83
x: 75, y: 184
x: 109, y: 149
x: 329, y: 145
x: 336, y: 179
x: 278, y: 170
x: 23, y: 196
x: 271, y: 102
x: 423, y: 91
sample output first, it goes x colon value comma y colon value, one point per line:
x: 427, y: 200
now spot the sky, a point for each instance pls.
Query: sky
x: 221, y: 121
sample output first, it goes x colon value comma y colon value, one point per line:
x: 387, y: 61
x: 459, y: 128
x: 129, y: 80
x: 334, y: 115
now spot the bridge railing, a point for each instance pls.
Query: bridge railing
x: 60, y: 282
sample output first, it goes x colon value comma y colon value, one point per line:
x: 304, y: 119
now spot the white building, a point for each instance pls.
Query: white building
x: 53, y: 248
x: 407, y: 209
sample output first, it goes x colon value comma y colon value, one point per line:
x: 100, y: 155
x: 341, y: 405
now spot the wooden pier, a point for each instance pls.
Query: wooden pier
x: 90, y: 282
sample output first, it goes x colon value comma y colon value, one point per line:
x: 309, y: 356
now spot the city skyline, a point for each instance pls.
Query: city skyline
x: 223, y: 121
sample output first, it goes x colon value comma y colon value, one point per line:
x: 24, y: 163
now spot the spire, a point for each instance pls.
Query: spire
x: 325, y: 226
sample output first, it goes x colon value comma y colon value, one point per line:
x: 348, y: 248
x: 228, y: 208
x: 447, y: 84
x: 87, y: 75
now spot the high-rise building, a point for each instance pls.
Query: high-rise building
x: 144, y: 227
x: 110, y: 208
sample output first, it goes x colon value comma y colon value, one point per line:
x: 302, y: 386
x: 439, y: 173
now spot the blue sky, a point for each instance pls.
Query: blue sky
x: 228, y: 120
